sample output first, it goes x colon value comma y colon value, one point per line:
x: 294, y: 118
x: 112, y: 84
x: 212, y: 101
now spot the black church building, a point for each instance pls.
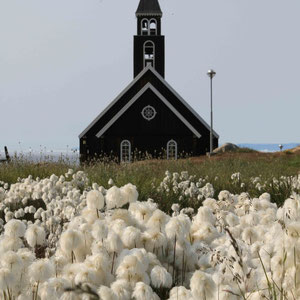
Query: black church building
x: 148, y: 116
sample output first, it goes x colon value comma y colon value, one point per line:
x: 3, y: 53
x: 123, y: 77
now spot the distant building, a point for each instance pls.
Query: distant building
x: 149, y: 116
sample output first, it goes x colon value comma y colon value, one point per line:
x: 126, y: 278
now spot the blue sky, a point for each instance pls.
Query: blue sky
x: 63, y: 61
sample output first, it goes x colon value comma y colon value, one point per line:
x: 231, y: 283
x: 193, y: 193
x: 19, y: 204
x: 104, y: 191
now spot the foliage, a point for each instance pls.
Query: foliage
x: 149, y: 173
x: 67, y: 237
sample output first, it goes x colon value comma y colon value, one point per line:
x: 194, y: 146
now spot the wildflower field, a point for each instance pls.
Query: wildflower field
x: 221, y: 228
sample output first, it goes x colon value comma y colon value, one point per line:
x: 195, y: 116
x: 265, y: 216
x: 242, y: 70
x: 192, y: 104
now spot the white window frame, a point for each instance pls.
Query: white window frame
x: 169, y: 145
x: 125, y: 143
x: 148, y: 27
x: 150, y: 22
x: 144, y: 48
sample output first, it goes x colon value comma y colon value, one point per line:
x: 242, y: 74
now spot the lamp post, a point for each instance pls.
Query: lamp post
x: 211, y: 74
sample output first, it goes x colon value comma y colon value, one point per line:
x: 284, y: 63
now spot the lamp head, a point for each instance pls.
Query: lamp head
x: 211, y: 73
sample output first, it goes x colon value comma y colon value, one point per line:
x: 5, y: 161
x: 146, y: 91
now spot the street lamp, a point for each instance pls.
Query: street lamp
x: 211, y: 74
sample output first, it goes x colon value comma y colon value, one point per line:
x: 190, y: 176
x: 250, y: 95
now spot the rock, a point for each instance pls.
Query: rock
x: 227, y: 147
x: 294, y: 150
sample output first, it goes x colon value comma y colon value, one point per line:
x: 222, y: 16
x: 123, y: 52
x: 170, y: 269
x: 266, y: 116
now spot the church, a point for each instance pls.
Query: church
x: 148, y: 118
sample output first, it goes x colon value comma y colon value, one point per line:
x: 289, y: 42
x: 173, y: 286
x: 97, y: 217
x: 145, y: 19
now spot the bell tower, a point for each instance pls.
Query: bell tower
x: 149, y: 44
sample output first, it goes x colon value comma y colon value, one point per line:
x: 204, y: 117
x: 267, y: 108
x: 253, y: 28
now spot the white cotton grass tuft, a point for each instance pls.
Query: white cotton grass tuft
x: 41, y: 270
x: 129, y: 193
x: 26, y: 256
x: 129, y: 267
x: 180, y: 293
x: 10, y: 243
x: 106, y: 293
x: 71, y: 240
x: 202, y: 286
x: 95, y: 200
x: 15, y: 228
x: 143, y: 291
x: 87, y: 275
x: 175, y: 208
x: 99, y: 230
x: 122, y: 289
x: 12, y: 261
x: 7, y: 279
x: 131, y: 237
x: 113, y: 198
x: 35, y: 235
x: 160, y: 277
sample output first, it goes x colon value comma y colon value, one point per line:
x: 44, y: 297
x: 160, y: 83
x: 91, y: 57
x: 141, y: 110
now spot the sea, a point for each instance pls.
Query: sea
x: 71, y: 155
x: 269, y: 147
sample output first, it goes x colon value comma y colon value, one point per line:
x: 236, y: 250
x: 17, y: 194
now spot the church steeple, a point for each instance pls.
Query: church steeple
x: 149, y: 44
x: 148, y: 8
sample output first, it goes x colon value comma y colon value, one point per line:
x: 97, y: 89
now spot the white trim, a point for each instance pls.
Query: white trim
x: 148, y: 30
x: 121, y: 151
x: 131, y: 84
x: 153, y: 60
x: 115, y: 100
x: 182, y: 100
x: 168, y: 145
x: 146, y: 117
x: 150, y: 21
x: 137, y: 96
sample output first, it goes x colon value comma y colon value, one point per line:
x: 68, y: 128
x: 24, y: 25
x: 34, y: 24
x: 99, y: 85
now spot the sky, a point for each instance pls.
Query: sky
x: 63, y: 61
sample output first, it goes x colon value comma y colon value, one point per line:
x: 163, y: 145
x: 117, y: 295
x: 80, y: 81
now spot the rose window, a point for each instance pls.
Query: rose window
x: 149, y: 113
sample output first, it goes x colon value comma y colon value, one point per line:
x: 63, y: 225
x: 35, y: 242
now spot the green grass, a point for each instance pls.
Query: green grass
x: 145, y: 174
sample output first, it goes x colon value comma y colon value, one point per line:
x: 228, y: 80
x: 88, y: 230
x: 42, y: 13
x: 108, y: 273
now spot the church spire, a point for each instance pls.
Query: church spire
x: 149, y: 44
x: 148, y: 8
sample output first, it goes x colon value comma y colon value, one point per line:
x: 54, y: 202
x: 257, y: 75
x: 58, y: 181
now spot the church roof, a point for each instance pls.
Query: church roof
x: 148, y: 8
x: 115, y: 109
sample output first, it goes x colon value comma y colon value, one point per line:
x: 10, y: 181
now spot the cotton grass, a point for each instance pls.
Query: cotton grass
x: 65, y: 233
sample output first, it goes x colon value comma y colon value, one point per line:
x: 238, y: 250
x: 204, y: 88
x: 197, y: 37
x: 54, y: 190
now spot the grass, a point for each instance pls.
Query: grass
x: 145, y: 174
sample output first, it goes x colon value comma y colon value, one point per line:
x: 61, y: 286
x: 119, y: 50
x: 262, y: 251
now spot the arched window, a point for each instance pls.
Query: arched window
x: 153, y: 27
x: 125, y: 153
x: 149, y: 51
x: 171, y: 150
x: 145, y: 27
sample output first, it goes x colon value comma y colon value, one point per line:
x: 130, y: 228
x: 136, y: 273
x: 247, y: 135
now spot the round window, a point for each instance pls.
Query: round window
x: 149, y: 113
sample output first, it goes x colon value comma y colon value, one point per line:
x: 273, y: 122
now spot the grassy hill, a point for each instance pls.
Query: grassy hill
x: 252, y: 167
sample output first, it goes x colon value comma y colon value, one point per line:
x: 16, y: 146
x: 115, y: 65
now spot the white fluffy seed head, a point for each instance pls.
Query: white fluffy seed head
x: 71, y: 240
x: 113, y: 198
x: 10, y: 243
x: 40, y: 270
x: 143, y: 291
x: 35, y: 235
x: 129, y: 193
x: 26, y: 256
x: 15, y: 228
x: 95, y: 200
x: 12, y: 261
x: 160, y: 277
x: 106, y: 293
x: 121, y: 289
x: 131, y: 237
x: 7, y: 279
x: 86, y: 275
x: 129, y: 267
x: 180, y: 293
x: 202, y: 286
x: 113, y: 243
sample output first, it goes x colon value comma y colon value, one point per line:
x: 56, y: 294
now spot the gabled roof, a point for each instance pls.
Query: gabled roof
x: 148, y: 8
x: 136, y: 79
x: 135, y: 98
